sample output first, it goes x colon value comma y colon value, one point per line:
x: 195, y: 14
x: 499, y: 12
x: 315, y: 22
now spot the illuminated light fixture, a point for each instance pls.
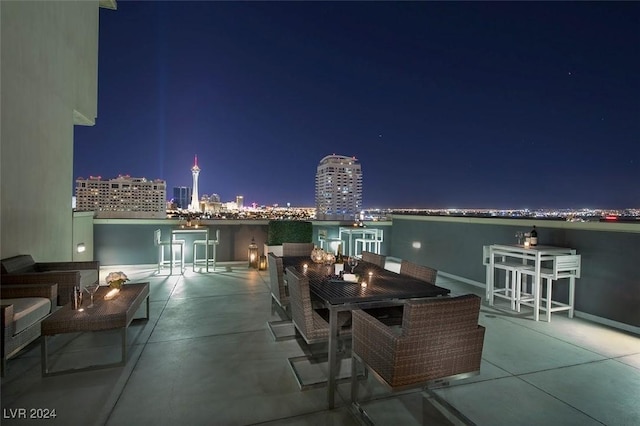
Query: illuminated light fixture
x: 262, y: 265
x: 416, y: 244
x: 253, y: 254
x: 80, y: 248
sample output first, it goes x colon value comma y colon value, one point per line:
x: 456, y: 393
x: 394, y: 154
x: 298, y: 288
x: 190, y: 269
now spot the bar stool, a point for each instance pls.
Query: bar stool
x: 511, y: 268
x: 373, y: 244
x: 212, y: 244
x: 172, y: 244
x: 564, y: 266
x: 331, y: 243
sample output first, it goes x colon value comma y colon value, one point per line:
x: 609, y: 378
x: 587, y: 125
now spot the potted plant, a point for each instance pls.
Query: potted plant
x: 287, y: 231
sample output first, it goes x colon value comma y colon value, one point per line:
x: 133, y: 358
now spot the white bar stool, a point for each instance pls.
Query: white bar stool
x: 211, y: 245
x: 511, y: 283
x: 172, y: 244
x: 371, y: 241
x: 564, y: 266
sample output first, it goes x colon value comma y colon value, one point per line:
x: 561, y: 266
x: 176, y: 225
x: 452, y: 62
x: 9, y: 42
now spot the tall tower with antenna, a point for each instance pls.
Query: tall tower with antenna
x: 195, y: 200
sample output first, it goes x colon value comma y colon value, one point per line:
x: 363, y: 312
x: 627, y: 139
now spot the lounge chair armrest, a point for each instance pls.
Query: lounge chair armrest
x: 7, y: 314
x: 67, y: 266
x: 60, y: 277
x: 49, y: 291
x: 371, y: 326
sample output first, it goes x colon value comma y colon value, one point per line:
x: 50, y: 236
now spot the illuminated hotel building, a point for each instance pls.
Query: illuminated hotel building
x: 338, y: 188
x: 123, y: 196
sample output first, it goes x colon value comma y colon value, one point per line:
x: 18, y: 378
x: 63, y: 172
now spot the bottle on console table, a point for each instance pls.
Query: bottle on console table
x: 339, y: 265
x: 533, y: 237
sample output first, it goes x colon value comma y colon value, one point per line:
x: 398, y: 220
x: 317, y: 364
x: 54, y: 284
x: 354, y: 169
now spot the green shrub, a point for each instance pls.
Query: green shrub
x: 289, y: 231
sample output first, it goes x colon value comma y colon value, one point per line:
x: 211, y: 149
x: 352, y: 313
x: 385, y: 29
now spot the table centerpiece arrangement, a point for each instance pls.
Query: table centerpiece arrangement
x: 115, y: 281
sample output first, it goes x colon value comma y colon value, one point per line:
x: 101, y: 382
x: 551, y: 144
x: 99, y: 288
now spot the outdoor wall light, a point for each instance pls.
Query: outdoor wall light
x: 416, y: 244
x: 253, y: 254
x: 80, y: 248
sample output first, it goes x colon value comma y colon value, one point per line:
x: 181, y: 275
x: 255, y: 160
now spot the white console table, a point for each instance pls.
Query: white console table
x: 531, y: 256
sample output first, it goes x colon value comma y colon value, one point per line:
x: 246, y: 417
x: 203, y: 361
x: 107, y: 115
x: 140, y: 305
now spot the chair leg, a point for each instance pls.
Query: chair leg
x: 512, y: 289
x: 354, y: 380
x: 549, y: 292
x: 160, y: 257
x: 572, y: 294
x: 518, y: 290
x: 195, y: 257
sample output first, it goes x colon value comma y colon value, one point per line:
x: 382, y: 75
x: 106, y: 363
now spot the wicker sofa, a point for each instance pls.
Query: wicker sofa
x: 22, y: 269
x: 23, y: 308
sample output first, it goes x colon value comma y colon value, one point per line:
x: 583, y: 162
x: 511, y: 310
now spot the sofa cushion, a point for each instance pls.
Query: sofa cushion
x: 20, y: 264
x: 28, y: 310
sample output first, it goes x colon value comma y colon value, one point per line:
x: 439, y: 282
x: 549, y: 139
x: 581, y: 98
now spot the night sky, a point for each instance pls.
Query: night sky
x: 446, y: 104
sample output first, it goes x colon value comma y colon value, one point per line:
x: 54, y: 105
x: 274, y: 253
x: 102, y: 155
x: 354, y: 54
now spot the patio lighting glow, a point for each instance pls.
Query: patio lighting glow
x: 253, y: 254
x: 111, y: 294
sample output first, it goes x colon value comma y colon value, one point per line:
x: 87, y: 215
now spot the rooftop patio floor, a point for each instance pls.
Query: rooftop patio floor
x: 206, y: 357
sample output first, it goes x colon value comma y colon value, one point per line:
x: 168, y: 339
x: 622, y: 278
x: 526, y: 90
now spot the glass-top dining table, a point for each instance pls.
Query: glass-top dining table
x: 383, y: 288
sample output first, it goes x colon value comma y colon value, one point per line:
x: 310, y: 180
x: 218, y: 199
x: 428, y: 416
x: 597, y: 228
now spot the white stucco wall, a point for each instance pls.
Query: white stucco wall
x: 48, y: 76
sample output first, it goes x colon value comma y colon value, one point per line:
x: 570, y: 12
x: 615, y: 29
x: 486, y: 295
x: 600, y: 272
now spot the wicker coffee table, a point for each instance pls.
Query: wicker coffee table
x: 105, y: 315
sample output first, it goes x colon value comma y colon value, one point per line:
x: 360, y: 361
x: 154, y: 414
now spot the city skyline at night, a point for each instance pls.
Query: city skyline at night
x: 469, y: 105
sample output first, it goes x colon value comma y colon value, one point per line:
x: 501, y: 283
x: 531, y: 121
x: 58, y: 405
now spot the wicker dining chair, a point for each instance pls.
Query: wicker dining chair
x: 376, y: 259
x: 279, y: 291
x: 440, y: 340
x: 297, y: 249
x: 280, y: 329
x: 392, y: 315
x: 312, y: 324
x: 419, y: 272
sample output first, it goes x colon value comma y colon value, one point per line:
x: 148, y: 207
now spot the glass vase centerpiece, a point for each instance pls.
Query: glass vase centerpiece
x: 115, y: 281
x: 317, y: 255
x: 329, y: 258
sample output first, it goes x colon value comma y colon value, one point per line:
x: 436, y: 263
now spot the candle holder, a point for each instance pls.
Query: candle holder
x: 253, y: 254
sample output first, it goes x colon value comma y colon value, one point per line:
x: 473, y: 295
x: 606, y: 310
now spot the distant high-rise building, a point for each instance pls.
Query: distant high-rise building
x: 123, y: 196
x: 240, y: 201
x: 338, y: 188
x: 211, y: 203
x: 181, y: 196
x: 195, y: 201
